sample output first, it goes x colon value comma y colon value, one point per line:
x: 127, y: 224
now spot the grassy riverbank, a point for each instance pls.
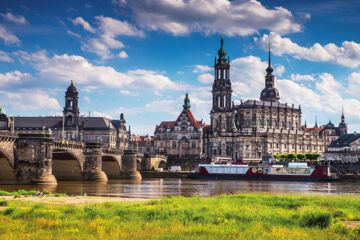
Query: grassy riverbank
x: 244, y: 216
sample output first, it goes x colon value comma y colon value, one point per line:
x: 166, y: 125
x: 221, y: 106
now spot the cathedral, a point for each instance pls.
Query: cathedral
x: 255, y: 128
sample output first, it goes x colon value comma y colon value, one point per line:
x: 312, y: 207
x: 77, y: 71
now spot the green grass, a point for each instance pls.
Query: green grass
x: 22, y: 192
x: 243, y: 216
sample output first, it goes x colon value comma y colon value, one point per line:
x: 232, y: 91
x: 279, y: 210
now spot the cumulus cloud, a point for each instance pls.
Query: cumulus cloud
x: 107, y: 32
x: 64, y: 67
x: 27, y: 99
x: 201, y: 69
x: 128, y: 93
x: 348, y: 54
x: 7, y: 37
x: 205, y: 78
x: 100, y: 114
x: 299, y: 78
x: 181, y: 17
x: 13, y: 18
x: 80, y: 21
x: 5, y: 57
x: 14, y: 77
x: 123, y: 55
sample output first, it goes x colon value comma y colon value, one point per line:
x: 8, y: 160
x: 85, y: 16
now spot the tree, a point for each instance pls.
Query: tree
x: 300, y: 156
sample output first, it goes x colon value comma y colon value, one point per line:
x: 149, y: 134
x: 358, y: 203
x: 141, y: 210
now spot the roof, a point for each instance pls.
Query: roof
x: 88, y: 123
x: 249, y: 103
x: 345, y: 140
x: 313, y: 130
x: 141, y: 140
x: 170, y: 124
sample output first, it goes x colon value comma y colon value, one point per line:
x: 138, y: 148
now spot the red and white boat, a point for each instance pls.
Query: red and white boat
x: 240, y: 171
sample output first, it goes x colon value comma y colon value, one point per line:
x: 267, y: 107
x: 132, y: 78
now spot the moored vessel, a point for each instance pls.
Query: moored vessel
x: 284, y: 172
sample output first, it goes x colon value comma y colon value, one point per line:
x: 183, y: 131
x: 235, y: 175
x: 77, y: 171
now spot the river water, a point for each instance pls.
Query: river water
x: 157, y: 188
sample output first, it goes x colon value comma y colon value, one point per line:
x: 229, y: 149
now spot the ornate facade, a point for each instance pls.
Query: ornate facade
x: 247, y: 131
x: 182, y: 137
x: 111, y: 133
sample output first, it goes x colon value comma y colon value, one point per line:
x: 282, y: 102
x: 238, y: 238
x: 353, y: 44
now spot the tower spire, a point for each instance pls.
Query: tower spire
x: 342, y: 115
x: 316, y: 125
x: 269, y: 56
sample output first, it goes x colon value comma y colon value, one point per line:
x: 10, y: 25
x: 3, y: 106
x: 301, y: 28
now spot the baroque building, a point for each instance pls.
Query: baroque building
x: 71, y: 126
x: 254, y: 128
x: 182, y: 137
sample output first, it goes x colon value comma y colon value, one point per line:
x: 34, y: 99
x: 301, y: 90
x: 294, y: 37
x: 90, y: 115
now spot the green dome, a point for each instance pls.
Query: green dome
x: 222, y: 51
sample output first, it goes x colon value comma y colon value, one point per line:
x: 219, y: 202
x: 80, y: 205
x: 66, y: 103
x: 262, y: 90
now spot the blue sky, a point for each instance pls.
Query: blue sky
x: 141, y: 56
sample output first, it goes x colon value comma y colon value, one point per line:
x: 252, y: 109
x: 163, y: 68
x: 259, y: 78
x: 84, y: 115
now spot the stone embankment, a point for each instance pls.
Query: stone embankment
x: 165, y: 174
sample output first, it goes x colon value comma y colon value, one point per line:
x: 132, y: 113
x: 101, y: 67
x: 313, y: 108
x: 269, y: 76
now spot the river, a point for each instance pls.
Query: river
x: 157, y: 188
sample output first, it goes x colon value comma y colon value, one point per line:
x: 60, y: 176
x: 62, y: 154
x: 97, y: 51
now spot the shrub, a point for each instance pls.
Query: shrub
x: 315, y: 218
x: 8, y: 211
x: 4, y: 203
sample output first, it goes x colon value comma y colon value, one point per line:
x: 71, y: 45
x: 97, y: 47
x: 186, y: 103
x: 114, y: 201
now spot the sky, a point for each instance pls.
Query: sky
x: 140, y: 57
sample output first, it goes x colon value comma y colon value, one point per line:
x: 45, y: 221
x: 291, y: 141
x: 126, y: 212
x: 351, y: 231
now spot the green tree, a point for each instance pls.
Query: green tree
x: 300, y: 156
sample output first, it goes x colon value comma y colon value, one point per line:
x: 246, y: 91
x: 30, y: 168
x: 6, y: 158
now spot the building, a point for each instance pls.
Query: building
x: 345, y: 149
x: 143, y: 144
x: 71, y: 126
x: 182, y: 137
x: 251, y: 129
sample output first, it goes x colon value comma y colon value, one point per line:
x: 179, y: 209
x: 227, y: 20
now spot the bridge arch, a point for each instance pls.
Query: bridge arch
x: 7, y: 173
x: 111, y: 165
x: 66, y: 165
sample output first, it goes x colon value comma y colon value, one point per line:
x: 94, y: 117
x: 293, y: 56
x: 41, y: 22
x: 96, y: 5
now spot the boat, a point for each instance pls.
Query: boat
x: 244, y: 171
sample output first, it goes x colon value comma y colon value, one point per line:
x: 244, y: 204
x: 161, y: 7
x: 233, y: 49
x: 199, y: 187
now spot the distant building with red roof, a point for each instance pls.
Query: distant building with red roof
x: 182, y: 137
x: 144, y: 144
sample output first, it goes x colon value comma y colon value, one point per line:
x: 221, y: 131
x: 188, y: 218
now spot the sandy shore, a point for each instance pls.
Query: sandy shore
x: 76, y: 200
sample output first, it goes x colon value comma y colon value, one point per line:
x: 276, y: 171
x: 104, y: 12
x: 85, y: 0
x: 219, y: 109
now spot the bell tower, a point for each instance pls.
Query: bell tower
x: 269, y: 93
x: 71, y: 109
x: 222, y: 85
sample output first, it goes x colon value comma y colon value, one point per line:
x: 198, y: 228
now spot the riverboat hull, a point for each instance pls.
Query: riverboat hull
x: 293, y: 172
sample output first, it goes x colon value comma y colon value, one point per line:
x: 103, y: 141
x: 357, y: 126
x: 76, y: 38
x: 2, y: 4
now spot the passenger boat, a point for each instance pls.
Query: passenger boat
x: 243, y: 171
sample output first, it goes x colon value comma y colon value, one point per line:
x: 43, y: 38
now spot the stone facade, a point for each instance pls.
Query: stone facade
x: 345, y: 149
x: 247, y: 131
x: 182, y: 137
x: 111, y: 133
x: 143, y: 144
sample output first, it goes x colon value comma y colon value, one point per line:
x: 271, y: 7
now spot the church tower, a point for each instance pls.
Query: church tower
x: 71, y: 109
x: 342, y: 125
x: 222, y: 85
x: 269, y: 93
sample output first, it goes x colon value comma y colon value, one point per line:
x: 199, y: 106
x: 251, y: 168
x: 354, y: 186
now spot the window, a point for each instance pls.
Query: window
x: 174, y: 145
x: 193, y: 145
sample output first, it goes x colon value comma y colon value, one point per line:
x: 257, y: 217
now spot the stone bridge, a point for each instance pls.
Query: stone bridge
x: 39, y: 159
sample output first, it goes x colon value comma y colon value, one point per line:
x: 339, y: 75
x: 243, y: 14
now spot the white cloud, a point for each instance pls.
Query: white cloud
x: 29, y: 99
x: 279, y: 70
x: 299, y: 78
x: 348, y: 54
x: 100, y: 114
x: 205, y: 78
x: 123, y: 55
x: 128, y: 93
x: 5, y: 57
x: 8, y: 37
x: 201, y: 69
x: 13, y: 18
x: 87, y: 99
x: 183, y: 17
x: 180, y: 72
x: 107, y: 32
x: 73, y: 34
x: 14, y: 77
x: 80, y: 21
x: 65, y: 67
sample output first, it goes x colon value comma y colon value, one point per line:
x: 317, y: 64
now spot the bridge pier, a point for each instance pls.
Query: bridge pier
x: 33, y: 159
x: 93, y: 163
x: 129, y: 165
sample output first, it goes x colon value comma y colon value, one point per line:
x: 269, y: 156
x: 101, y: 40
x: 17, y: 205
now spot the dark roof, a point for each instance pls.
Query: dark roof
x: 92, y: 123
x: 249, y: 103
x: 345, y: 140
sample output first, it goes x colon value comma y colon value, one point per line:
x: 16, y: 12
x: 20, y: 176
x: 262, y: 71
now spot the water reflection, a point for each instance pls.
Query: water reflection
x: 155, y: 188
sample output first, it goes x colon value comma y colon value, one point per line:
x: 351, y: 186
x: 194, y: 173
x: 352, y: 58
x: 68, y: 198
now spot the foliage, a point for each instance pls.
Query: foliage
x: 22, y: 192
x: 242, y: 216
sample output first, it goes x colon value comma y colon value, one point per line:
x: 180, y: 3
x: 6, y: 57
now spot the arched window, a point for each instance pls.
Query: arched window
x: 225, y: 101
x: 219, y: 101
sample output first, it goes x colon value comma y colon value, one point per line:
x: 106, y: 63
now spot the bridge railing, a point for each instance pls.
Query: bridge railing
x: 8, y: 134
